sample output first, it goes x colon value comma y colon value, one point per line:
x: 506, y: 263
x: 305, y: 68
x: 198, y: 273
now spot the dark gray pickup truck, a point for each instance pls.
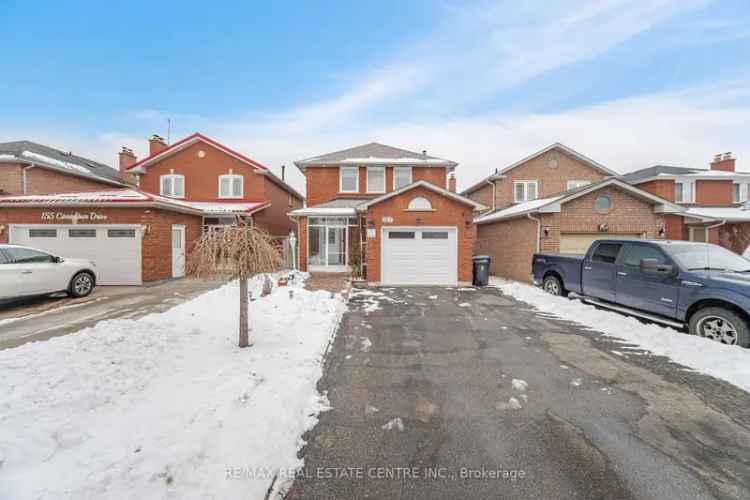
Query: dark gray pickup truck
x: 703, y: 287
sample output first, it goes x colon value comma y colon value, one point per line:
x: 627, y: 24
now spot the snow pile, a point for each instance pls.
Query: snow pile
x: 728, y: 363
x: 60, y: 164
x: 167, y: 405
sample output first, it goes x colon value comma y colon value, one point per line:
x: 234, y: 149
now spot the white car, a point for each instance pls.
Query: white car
x: 27, y: 271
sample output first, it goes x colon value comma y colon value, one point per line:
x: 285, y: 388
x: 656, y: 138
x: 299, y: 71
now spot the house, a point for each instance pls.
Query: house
x: 141, y: 234
x: 27, y: 167
x: 388, y: 214
x: 714, y: 201
x: 558, y: 200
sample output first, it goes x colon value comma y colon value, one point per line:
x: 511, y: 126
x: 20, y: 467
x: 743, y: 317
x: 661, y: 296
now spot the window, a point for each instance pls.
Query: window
x: 606, y: 253
x: 577, y: 184
x: 19, y: 255
x: 376, y: 179
x: 173, y: 185
x: 635, y: 253
x: 420, y: 203
x: 349, y: 179
x: 400, y: 235
x: 289, y: 200
x: 401, y: 177
x: 524, y: 191
x: 603, y: 204
x: 121, y: 233
x: 739, y: 192
x: 231, y: 186
x: 3, y: 258
x: 82, y: 233
x: 735, y: 193
x: 683, y: 192
x: 434, y: 235
x: 42, y: 233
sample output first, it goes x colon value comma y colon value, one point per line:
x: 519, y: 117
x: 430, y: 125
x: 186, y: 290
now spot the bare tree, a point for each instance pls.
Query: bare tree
x: 230, y: 252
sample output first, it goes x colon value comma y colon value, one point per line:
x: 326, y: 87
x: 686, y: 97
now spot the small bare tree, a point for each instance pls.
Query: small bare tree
x: 230, y: 252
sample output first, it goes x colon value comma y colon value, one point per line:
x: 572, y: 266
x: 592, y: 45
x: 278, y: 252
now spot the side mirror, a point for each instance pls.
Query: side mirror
x: 652, y: 266
x: 56, y: 259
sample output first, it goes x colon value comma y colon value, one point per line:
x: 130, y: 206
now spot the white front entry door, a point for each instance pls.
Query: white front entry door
x: 178, y: 251
x: 424, y: 255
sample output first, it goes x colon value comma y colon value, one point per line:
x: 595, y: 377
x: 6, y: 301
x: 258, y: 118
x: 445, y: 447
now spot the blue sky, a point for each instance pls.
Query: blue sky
x: 629, y: 83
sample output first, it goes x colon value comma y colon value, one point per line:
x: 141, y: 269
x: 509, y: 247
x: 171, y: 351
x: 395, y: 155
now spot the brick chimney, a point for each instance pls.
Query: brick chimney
x: 723, y: 162
x: 452, y: 182
x: 156, y: 144
x: 127, y: 158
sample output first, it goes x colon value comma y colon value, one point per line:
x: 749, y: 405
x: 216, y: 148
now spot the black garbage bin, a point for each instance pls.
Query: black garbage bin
x: 481, y: 270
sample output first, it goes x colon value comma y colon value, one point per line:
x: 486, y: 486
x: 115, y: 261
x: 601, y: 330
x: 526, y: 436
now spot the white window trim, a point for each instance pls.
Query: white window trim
x: 395, y: 169
x: 579, y: 183
x: 692, y: 190
x: 744, y: 188
x: 341, y: 179
x: 231, y: 177
x: 171, y: 178
x: 525, y: 190
x: 367, y: 179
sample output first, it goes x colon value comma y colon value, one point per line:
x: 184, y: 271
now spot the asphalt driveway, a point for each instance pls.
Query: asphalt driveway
x: 443, y: 393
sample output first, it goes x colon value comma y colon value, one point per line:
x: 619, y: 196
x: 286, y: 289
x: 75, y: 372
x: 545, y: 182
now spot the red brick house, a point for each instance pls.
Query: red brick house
x: 136, y: 235
x: 389, y: 214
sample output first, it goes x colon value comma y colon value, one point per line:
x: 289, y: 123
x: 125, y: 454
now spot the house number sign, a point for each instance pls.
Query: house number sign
x: 387, y: 219
x: 73, y: 217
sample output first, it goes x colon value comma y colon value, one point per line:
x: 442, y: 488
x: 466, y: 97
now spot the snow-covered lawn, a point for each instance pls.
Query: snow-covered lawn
x: 166, y: 406
x: 721, y: 361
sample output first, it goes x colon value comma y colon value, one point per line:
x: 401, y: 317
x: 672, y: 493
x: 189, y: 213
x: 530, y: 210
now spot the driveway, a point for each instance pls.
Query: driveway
x: 425, y: 406
x: 47, y: 317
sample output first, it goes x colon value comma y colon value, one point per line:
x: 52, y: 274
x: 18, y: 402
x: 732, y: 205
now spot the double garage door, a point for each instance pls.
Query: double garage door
x: 424, y: 255
x: 115, y: 249
x: 579, y: 242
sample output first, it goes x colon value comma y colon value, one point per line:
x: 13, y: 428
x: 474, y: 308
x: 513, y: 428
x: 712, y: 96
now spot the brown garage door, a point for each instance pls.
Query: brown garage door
x: 579, y: 242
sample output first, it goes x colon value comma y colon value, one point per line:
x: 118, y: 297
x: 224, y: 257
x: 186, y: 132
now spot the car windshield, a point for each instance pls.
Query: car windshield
x: 698, y: 257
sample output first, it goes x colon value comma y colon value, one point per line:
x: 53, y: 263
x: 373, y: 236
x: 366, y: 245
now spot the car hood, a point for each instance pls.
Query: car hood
x: 726, y: 277
x: 78, y: 262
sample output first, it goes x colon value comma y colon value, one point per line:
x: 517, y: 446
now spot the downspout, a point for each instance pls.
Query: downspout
x: 494, y: 187
x: 23, y: 178
x: 538, y: 232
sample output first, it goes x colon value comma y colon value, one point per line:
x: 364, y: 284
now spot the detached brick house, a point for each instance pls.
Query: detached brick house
x: 388, y: 214
x: 140, y: 234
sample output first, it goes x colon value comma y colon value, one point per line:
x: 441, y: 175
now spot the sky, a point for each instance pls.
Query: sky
x: 629, y: 83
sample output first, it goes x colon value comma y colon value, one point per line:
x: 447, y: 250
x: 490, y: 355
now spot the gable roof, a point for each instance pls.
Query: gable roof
x: 140, y: 166
x: 424, y: 184
x: 29, y: 152
x: 374, y: 154
x: 559, y: 146
x: 669, y: 172
x: 553, y: 204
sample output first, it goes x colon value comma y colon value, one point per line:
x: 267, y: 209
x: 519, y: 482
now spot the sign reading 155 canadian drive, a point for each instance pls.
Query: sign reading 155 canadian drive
x: 73, y: 217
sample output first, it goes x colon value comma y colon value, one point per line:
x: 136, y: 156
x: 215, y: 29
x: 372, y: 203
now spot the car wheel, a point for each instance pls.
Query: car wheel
x: 553, y: 285
x: 81, y: 285
x: 720, y: 325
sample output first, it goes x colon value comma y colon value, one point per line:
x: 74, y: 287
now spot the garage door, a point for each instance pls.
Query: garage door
x: 115, y: 249
x: 419, y: 256
x: 580, y: 242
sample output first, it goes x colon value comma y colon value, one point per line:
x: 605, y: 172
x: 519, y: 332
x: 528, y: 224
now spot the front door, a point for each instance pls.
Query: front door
x: 178, y: 251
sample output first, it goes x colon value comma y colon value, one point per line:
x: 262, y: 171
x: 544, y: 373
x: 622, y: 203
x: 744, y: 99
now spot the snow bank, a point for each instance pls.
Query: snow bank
x: 728, y: 363
x: 167, y: 405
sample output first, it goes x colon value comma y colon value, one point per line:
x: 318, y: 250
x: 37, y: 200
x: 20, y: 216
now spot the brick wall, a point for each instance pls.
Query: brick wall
x: 713, y: 192
x: 447, y: 212
x: 45, y: 181
x: 663, y: 188
x: 274, y: 219
x: 482, y: 195
x: 11, y: 178
x: 510, y: 244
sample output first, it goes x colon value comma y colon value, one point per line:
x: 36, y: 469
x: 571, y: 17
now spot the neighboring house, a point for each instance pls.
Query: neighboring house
x: 389, y: 214
x: 30, y: 168
x: 714, y: 201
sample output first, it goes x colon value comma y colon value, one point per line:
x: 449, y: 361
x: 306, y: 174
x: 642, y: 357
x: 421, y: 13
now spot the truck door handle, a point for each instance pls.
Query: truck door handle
x: 26, y: 272
x: 587, y: 268
x: 620, y: 273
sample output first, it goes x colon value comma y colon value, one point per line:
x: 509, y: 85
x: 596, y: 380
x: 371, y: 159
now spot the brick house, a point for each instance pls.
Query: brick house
x: 141, y: 234
x: 27, y: 167
x: 385, y: 213
x: 714, y: 200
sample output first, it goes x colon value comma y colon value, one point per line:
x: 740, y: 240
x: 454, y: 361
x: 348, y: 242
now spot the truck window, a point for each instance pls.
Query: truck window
x: 634, y: 253
x: 606, y: 252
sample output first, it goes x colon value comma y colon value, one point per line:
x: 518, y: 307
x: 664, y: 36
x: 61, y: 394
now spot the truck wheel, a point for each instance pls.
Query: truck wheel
x: 81, y: 285
x: 553, y: 285
x: 721, y: 325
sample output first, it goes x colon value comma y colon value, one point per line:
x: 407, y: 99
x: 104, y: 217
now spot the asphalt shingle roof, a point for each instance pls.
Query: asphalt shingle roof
x: 646, y: 173
x: 372, y: 150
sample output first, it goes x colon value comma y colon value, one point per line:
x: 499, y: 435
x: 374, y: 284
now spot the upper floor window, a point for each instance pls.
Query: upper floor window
x: 231, y: 186
x: 401, y: 177
x: 577, y: 184
x: 376, y: 179
x: 349, y: 179
x: 739, y: 192
x: 524, y: 191
x: 683, y: 192
x: 172, y: 185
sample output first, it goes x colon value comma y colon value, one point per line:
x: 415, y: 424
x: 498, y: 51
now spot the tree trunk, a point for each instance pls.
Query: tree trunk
x: 244, y: 340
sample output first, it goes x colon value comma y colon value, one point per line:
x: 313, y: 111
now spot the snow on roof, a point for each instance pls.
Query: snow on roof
x: 225, y: 208
x: 379, y: 161
x: 62, y: 164
x: 115, y: 195
x: 334, y: 211
x: 518, y: 208
x: 734, y: 214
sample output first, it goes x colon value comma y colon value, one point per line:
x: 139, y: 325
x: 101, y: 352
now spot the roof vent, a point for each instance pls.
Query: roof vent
x: 424, y: 152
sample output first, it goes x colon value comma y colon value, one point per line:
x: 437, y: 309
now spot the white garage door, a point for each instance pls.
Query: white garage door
x: 579, y: 242
x: 419, y: 256
x: 115, y: 249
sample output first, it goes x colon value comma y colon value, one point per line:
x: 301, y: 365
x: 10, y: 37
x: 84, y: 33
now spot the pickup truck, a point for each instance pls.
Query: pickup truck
x: 699, y: 286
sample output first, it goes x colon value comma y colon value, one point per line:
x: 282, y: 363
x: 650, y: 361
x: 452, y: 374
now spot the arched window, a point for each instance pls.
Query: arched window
x: 420, y: 203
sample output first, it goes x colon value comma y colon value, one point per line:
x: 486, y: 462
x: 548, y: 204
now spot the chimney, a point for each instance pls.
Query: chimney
x: 283, y: 167
x: 723, y: 162
x: 127, y: 158
x: 452, y: 182
x: 156, y: 144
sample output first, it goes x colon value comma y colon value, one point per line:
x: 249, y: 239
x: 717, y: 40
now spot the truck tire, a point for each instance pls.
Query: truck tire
x: 81, y: 285
x: 720, y: 325
x: 552, y: 285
